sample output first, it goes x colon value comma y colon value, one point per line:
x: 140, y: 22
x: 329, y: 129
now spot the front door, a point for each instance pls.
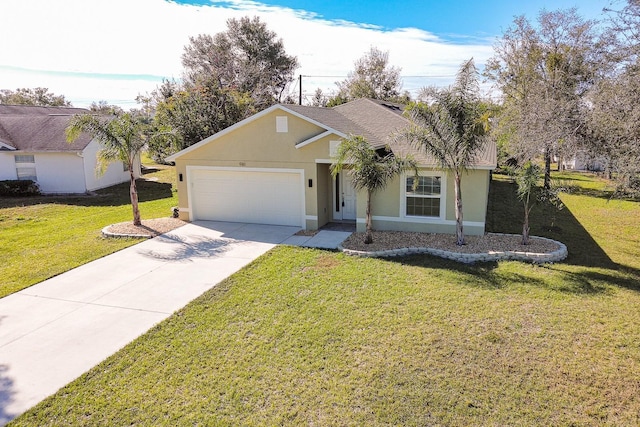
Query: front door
x: 344, y: 198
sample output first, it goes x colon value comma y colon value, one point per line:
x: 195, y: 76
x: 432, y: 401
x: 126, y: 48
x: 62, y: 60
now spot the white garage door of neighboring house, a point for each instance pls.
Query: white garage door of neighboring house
x: 260, y: 197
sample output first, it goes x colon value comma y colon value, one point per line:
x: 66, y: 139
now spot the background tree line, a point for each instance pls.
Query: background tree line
x: 566, y: 85
x: 570, y: 86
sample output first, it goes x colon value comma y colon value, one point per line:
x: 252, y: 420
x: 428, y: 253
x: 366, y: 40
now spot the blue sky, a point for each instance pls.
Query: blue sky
x: 113, y: 50
x: 455, y: 18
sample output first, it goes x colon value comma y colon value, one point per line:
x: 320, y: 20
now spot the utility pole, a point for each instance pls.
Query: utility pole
x: 300, y: 95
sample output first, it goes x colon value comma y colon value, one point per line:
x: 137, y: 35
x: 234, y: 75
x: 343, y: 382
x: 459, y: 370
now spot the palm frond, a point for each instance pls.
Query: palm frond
x: 121, y: 138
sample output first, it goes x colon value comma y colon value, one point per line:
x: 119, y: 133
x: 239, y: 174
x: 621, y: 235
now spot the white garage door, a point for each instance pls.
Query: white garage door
x: 247, y: 196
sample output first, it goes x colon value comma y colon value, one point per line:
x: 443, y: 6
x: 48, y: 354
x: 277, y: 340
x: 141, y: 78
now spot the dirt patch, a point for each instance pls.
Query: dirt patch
x: 149, y: 227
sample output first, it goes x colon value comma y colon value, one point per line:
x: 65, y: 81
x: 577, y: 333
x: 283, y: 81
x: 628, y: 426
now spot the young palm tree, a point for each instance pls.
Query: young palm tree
x: 527, y: 180
x: 368, y: 170
x: 121, y: 138
x: 530, y: 193
x: 451, y: 129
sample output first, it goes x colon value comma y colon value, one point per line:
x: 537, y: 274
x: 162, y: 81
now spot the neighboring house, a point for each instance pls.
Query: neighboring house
x: 582, y: 161
x: 273, y: 168
x: 33, y: 145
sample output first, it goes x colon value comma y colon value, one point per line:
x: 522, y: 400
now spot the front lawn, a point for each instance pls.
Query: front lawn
x: 308, y: 337
x: 44, y: 236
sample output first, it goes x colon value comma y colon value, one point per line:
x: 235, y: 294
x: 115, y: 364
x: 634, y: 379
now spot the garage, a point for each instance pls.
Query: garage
x: 256, y: 196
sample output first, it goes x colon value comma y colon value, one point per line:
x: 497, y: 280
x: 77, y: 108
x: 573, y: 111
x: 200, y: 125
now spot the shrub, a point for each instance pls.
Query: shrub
x: 18, y: 188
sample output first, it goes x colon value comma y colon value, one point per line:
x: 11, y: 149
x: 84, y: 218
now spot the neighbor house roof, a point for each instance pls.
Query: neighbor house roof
x: 34, y: 128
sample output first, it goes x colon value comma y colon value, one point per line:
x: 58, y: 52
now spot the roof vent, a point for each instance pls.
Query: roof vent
x: 392, y: 107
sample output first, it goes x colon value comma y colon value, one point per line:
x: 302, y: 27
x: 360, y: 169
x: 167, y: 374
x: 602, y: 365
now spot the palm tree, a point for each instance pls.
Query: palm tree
x: 121, y: 138
x: 527, y: 179
x: 451, y: 129
x: 368, y: 170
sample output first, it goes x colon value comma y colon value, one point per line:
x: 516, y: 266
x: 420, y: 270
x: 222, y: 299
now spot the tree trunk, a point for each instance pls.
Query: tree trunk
x: 368, y: 238
x: 525, y: 225
x: 459, y: 227
x: 547, y: 168
x: 133, y: 193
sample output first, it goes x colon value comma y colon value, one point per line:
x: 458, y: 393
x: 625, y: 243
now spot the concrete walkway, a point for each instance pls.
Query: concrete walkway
x: 323, y: 239
x: 53, y: 332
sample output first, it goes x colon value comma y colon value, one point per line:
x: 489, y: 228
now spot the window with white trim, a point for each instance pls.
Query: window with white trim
x: 26, y: 167
x: 426, y: 199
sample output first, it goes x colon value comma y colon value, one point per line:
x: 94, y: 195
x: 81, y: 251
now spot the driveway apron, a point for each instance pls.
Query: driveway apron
x: 53, y: 332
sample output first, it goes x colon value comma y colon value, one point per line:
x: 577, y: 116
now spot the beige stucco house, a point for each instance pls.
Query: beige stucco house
x: 273, y: 168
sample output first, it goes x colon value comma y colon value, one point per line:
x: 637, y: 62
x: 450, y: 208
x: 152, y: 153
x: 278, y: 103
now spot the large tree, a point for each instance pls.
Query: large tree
x: 122, y: 138
x: 613, y: 107
x: 227, y: 77
x: 450, y: 127
x: 369, y: 169
x: 372, y: 77
x: 247, y: 57
x: 197, y: 111
x: 38, y: 96
x: 613, y: 119
x: 543, y: 72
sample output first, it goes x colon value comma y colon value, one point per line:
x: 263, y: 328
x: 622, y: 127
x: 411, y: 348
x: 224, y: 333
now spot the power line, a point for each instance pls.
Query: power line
x: 403, y: 77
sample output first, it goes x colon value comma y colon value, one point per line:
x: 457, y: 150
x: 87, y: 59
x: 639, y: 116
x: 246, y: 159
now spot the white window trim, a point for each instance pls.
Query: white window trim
x: 443, y: 197
x: 22, y: 166
x: 16, y: 156
x: 421, y: 220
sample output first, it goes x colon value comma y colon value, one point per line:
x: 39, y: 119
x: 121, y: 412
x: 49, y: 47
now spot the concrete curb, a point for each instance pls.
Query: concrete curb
x: 534, y: 257
x: 106, y: 233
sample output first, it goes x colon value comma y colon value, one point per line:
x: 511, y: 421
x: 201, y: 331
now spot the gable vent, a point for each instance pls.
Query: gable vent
x: 282, y: 125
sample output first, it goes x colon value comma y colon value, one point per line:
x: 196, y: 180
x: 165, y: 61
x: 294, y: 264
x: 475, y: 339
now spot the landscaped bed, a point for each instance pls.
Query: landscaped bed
x: 148, y: 228
x: 491, y: 242
x: 488, y: 247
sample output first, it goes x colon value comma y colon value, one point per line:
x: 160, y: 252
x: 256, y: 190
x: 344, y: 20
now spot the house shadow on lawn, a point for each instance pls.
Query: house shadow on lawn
x: 116, y: 195
x: 587, y: 270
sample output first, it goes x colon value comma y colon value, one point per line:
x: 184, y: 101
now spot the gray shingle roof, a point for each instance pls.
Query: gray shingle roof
x: 33, y: 128
x: 378, y: 122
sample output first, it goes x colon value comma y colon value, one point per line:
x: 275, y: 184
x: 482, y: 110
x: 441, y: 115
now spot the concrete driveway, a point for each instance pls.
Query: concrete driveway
x: 54, y: 331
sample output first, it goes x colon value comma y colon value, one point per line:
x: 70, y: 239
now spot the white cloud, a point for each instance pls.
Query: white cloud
x: 147, y: 37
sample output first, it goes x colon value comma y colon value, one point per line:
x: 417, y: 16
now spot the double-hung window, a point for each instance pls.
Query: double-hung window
x: 425, y: 199
x: 26, y: 167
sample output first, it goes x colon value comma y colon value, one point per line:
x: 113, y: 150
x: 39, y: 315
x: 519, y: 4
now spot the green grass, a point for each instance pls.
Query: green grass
x: 44, y: 236
x: 307, y: 337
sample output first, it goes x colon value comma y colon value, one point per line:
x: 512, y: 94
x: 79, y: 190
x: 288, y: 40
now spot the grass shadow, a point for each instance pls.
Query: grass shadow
x: 590, y: 269
x: 505, y: 213
x: 483, y: 274
x: 116, y: 195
